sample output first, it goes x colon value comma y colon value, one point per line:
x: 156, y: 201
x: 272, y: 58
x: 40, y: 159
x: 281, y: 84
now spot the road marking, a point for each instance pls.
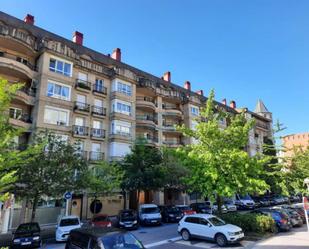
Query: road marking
x: 162, y: 242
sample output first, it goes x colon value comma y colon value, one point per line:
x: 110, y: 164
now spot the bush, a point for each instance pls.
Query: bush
x: 251, y: 222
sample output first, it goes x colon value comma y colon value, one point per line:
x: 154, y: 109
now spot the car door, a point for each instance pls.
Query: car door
x: 192, y: 224
x: 204, y: 228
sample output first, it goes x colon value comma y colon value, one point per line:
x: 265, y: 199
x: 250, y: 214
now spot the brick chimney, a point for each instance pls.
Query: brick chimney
x: 167, y: 76
x: 116, y: 55
x: 233, y: 104
x: 223, y: 101
x: 187, y: 85
x: 29, y: 19
x: 200, y: 92
x: 78, y: 38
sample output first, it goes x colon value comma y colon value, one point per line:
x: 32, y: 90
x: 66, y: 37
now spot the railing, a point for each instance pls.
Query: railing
x: 170, y: 107
x: 80, y: 130
x: 123, y: 134
x: 147, y: 99
x: 81, y: 106
x: 98, y: 110
x: 146, y: 117
x: 83, y: 84
x: 98, y: 133
x: 96, y: 156
x: 81, y: 153
x: 27, y: 91
x: 170, y: 124
x: 172, y: 142
x: 99, y: 89
x: 18, y: 59
x: 262, y: 125
x: 20, y: 116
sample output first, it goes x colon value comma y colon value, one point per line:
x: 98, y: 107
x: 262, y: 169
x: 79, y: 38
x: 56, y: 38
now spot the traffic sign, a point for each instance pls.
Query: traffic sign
x: 67, y: 195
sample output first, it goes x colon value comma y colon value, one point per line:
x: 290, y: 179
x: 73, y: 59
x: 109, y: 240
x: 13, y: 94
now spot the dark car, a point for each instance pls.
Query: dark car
x: 301, y: 213
x: 127, y: 219
x: 27, y: 235
x: 102, y: 238
x: 171, y: 214
x: 201, y: 207
x: 295, y: 218
x: 281, y: 219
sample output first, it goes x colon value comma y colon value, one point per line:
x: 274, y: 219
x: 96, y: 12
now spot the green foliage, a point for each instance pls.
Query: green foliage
x: 104, y: 178
x: 251, y: 222
x: 218, y: 162
x: 142, y: 168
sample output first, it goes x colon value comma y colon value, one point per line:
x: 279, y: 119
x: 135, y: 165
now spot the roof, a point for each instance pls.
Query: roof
x: 98, y: 231
x: 207, y: 216
x: 260, y: 107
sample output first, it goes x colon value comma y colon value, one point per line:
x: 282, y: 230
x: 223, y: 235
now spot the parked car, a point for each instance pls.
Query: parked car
x: 171, y: 214
x: 101, y: 220
x: 230, y: 205
x: 301, y: 213
x: 209, y: 227
x: 215, y: 207
x: 65, y: 225
x: 278, y: 200
x: 149, y: 214
x: 295, y: 218
x: 185, y: 209
x: 201, y: 207
x: 127, y: 219
x: 282, y: 221
x: 27, y: 235
x: 102, y: 238
x: 244, y: 202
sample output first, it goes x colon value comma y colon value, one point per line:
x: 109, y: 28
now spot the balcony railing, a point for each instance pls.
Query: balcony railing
x: 96, y: 156
x: 83, y: 84
x: 27, y: 91
x: 170, y: 107
x: 170, y: 124
x: 18, y: 59
x: 147, y: 99
x: 99, y: 89
x: 83, y: 154
x: 98, y: 110
x: 123, y: 134
x: 172, y: 142
x: 97, y: 133
x: 20, y: 116
x: 146, y: 117
x: 80, y: 130
x: 80, y: 106
x: 262, y: 125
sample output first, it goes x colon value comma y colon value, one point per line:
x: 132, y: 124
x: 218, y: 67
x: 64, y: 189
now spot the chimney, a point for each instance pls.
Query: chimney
x: 223, y: 101
x: 200, y: 92
x: 167, y: 76
x: 187, y: 85
x: 78, y: 38
x: 29, y: 19
x: 116, y: 55
x: 233, y: 104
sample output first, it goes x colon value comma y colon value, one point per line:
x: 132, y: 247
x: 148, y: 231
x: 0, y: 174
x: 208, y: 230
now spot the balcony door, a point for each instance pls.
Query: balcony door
x: 95, y: 151
x: 80, y: 128
x: 82, y: 76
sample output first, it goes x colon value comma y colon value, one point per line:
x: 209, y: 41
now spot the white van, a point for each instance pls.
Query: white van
x: 149, y: 214
x: 65, y: 225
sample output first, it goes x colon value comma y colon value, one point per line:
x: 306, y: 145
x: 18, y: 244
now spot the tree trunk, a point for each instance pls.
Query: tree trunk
x: 137, y: 199
x: 219, y: 203
x: 23, y: 211
x: 34, y: 206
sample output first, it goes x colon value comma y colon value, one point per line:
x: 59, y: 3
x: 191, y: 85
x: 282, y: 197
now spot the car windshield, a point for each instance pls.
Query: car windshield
x: 69, y: 222
x: 245, y: 197
x: 202, y: 205
x: 216, y: 221
x: 100, y: 218
x: 228, y: 202
x: 127, y: 214
x: 172, y: 209
x: 29, y: 227
x: 150, y: 210
x: 184, y: 208
x: 121, y: 241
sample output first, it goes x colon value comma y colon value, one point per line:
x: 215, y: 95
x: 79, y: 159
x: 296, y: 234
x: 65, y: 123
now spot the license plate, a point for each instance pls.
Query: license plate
x: 26, y: 243
x: 128, y: 225
x: 178, y: 217
x: 153, y: 221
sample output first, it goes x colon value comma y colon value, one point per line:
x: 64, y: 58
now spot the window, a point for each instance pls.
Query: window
x: 79, y: 121
x: 56, y: 116
x: 58, y: 91
x: 81, y: 98
x: 97, y: 124
x: 15, y: 113
x: 192, y: 220
x: 98, y: 103
x: 121, y: 107
x: 124, y: 88
x: 121, y: 128
x: 194, y: 111
x: 82, y: 76
x: 60, y: 66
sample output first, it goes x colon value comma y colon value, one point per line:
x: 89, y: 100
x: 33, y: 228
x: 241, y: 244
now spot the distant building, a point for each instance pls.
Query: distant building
x: 290, y: 142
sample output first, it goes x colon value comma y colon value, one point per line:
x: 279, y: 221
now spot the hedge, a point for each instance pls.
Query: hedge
x: 251, y: 222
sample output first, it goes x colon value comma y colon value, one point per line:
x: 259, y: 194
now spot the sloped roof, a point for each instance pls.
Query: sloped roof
x: 260, y: 107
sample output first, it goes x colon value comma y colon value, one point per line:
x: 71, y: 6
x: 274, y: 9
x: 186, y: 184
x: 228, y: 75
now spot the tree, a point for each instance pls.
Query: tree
x: 218, y: 163
x: 142, y: 169
x: 8, y: 155
x: 49, y: 167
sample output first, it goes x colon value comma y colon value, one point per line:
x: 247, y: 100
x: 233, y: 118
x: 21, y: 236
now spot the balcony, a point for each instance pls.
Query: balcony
x: 26, y: 95
x: 98, y: 134
x: 262, y: 126
x: 170, y: 126
x: 96, y: 156
x: 20, y: 119
x: 80, y: 131
x: 82, y: 154
x: 150, y: 139
x: 145, y: 102
x: 123, y: 136
x: 171, y: 110
x: 172, y: 143
x: 98, y: 111
x: 146, y: 121
x: 99, y: 89
x: 83, y: 85
x: 81, y: 107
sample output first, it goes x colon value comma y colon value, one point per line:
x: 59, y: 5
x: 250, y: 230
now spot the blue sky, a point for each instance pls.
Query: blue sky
x: 245, y: 50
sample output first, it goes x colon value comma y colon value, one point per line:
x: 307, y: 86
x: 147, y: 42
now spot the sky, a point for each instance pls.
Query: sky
x: 244, y: 50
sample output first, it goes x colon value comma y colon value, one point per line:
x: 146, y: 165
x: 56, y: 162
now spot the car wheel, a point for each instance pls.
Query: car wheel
x: 185, y: 234
x: 221, y: 239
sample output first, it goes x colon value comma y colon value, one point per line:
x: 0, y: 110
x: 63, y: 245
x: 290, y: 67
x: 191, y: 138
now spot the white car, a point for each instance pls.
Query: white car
x: 65, y: 225
x: 210, y: 227
x: 149, y: 214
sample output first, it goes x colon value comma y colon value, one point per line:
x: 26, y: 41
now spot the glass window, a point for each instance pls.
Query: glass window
x: 81, y: 98
x: 69, y: 222
x: 124, y: 88
x: 61, y: 67
x: 121, y: 240
x: 194, y: 111
x: 56, y: 116
x: 79, y: 121
x: 58, y: 91
x: 123, y: 108
x: 98, y: 103
x: 97, y: 124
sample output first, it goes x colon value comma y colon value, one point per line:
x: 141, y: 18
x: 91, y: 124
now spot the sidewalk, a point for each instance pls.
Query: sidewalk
x: 298, y: 238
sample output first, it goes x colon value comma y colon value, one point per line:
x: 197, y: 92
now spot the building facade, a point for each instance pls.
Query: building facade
x: 294, y: 141
x: 97, y: 100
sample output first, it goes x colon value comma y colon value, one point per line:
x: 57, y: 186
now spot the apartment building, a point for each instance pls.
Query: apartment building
x: 97, y: 100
